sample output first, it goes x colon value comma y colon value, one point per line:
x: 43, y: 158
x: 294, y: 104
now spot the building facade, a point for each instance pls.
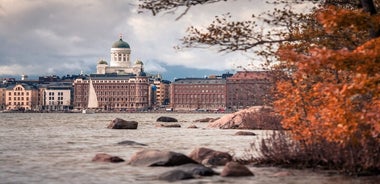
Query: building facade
x: 162, y: 92
x: 21, y: 97
x: 55, y: 98
x: 248, y: 88
x: 114, y: 93
x: 2, y: 97
x: 198, y: 94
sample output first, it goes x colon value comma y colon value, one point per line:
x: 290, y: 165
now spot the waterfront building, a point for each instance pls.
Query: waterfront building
x: 114, y: 92
x: 55, y: 96
x: 2, y: 97
x: 248, y: 88
x: 21, y: 97
x: 198, y: 94
x: 162, y: 92
x: 119, y: 85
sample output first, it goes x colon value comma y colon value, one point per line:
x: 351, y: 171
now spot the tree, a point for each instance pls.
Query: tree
x: 328, y: 63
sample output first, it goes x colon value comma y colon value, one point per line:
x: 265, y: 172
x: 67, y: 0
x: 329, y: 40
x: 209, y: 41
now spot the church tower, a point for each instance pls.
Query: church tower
x: 120, y: 53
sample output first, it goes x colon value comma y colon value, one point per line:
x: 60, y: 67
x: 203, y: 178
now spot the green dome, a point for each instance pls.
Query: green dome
x: 121, y: 44
x: 102, y: 62
x: 138, y: 62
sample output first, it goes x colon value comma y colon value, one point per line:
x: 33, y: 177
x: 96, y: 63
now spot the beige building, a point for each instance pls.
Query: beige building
x: 162, y: 92
x: 55, y: 98
x: 2, y: 98
x: 21, y: 97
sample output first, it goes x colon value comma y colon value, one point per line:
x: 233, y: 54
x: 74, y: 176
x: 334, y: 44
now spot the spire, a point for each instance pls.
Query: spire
x: 121, y: 36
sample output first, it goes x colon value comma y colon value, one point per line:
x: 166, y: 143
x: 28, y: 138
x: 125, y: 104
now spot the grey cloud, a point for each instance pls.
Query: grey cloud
x: 66, y: 36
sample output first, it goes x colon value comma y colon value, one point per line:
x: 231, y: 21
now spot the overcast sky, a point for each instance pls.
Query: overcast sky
x: 46, y: 37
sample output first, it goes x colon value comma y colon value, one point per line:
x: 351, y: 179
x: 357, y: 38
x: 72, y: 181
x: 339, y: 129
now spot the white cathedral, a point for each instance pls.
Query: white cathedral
x: 120, y: 61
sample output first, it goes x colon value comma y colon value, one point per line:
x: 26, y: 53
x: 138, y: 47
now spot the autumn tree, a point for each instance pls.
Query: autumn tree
x: 328, y: 61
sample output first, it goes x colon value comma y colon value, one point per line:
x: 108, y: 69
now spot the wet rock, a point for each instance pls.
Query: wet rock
x: 210, y: 157
x: 103, y: 157
x: 150, y: 157
x: 245, y: 133
x: 175, y: 175
x: 166, y: 119
x: 169, y: 125
x: 192, y: 126
x: 252, y: 118
x: 187, y: 171
x: 118, y: 123
x: 131, y: 143
x: 206, y: 120
x: 234, y: 169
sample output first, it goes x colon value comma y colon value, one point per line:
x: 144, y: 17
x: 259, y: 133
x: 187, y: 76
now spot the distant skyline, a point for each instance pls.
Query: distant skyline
x: 59, y: 37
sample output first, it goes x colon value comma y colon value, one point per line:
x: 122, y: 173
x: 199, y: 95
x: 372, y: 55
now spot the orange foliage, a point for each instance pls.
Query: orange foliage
x: 333, y: 95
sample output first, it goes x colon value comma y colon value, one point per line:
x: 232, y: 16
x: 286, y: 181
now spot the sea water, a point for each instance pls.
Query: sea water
x: 58, y: 148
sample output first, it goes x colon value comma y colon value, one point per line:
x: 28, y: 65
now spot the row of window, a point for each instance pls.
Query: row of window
x: 59, y: 93
x: 119, y: 87
x: 200, y: 86
x: 18, y: 103
x: 18, y: 93
x: 18, y: 98
x: 118, y: 81
x: 132, y: 99
x: 56, y: 103
x: 59, y: 98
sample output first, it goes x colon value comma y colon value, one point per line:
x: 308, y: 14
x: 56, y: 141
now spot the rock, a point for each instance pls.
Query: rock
x: 234, y: 169
x: 166, y: 119
x: 187, y: 171
x: 175, y: 175
x: 150, y: 157
x: 210, y: 157
x: 206, y: 120
x: 192, y: 126
x: 169, y: 125
x: 118, y: 123
x: 251, y: 118
x: 103, y: 157
x: 245, y: 133
x: 131, y: 143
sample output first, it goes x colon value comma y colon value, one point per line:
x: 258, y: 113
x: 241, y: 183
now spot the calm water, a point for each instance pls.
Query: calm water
x: 58, y: 148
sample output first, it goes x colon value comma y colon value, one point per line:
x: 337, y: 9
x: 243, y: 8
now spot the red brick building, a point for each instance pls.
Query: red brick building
x: 198, y: 94
x: 114, y: 93
x: 248, y: 88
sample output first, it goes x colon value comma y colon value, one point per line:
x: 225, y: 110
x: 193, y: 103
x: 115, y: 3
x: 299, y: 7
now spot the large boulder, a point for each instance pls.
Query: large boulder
x: 234, y: 169
x: 148, y: 157
x: 104, y: 157
x: 187, y: 171
x: 118, y: 123
x: 251, y: 118
x: 166, y: 119
x: 210, y: 157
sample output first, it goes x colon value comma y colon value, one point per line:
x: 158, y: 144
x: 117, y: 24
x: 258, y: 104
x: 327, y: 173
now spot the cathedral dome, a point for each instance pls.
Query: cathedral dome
x: 120, y: 44
x: 138, y: 62
x: 102, y: 62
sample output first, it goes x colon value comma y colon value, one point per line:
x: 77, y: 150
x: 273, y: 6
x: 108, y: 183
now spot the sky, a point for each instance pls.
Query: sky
x: 59, y: 37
